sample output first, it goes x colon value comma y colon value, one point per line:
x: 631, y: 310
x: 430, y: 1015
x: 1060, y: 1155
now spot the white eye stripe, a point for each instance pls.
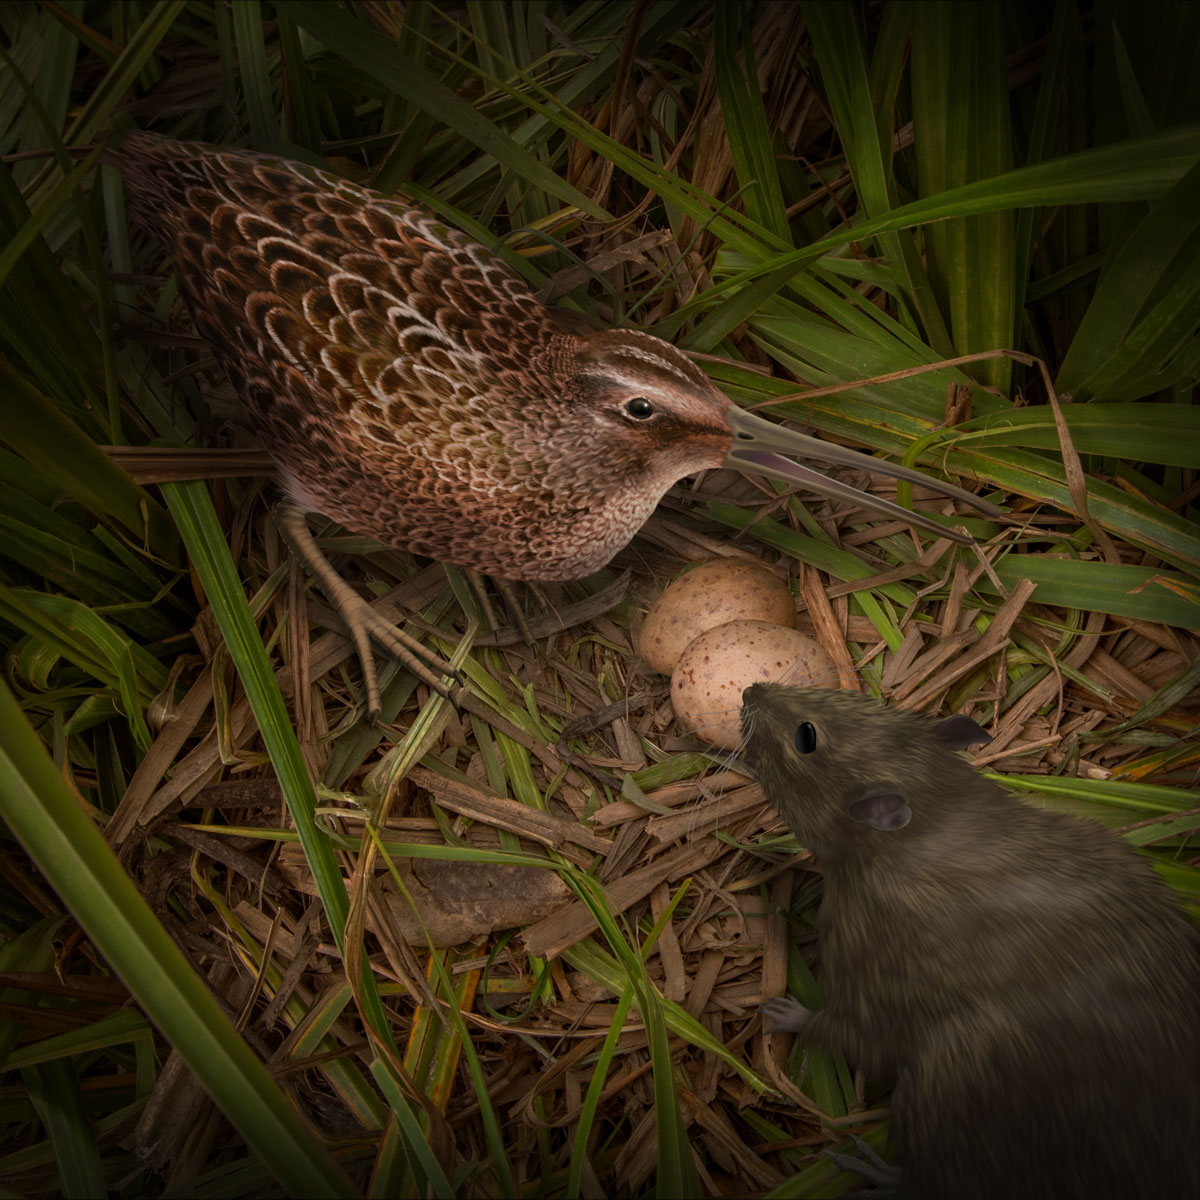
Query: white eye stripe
x: 637, y: 354
x: 635, y: 375
x: 636, y: 383
x: 637, y: 359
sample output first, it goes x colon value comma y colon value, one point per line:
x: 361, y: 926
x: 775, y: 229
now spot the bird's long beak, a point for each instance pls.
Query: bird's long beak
x: 759, y: 446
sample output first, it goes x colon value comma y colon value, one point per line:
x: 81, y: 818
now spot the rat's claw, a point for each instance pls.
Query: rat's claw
x: 870, y: 1166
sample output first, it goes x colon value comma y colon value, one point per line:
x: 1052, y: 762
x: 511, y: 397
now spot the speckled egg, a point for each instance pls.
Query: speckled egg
x: 712, y: 593
x: 707, y: 683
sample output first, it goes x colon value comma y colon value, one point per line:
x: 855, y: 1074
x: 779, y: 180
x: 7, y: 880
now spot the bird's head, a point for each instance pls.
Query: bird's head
x: 645, y: 413
x: 653, y: 410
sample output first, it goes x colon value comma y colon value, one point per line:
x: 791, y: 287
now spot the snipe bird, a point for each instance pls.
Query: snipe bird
x: 410, y: 386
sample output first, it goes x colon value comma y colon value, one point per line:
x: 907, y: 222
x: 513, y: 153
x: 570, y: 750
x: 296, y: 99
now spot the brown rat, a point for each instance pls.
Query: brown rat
x: 1023, y: 976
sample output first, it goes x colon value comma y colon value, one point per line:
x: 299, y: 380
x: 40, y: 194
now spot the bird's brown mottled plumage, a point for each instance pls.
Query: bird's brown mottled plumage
x: 405, y: 381
x: 1022, y: 975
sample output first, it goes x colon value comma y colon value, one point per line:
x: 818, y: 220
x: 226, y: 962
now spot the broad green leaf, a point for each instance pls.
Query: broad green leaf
x: 1162, y: 250
x: 1146, y: 433
x: 1121, y: 589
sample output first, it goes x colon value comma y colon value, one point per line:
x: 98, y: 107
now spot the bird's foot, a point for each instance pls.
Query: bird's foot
x: 362, y: 621
x: 870, y: 1166
x: 784, y: 1014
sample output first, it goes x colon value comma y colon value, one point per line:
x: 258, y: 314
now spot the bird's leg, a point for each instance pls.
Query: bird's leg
x: 514, y: 607
x: 489, y: 613
x: 362, y: 621
x: 475, y: 579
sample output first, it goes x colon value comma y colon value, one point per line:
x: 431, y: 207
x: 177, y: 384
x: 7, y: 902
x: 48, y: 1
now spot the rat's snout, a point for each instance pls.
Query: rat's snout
x: 747, y: 714
x: 748, y: 718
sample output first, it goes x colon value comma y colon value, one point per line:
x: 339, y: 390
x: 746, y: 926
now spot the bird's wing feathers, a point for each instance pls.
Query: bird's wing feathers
x: 382, y: 307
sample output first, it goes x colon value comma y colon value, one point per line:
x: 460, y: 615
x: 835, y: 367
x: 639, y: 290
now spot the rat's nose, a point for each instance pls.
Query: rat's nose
x: 749, y: 693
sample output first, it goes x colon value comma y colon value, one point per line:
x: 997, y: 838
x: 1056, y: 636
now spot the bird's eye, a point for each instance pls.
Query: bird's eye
x: 806, y: 737
x: 639, y: 408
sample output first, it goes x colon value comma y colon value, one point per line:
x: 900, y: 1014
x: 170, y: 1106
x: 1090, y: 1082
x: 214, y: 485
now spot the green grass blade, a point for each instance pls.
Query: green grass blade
x: 825, y: 1069
x: 1121, y: 589
x: 1163, y: 248
x: 32, y: 949
x: 113, y: 88
x: 746, y: 120
x: 1041, y: 140
x: 742, y: 233
x: 255, y: 77
x: 1129, y: 801
x: 71, y: 630
x: 366, y: 52
x: 117, y: 1029
x: 893, y: 417
x: 55, y: 75
x: 41, y: 317
x: 962, y: 134
x: 58, y: 1101
x: 864, y: 124
x: 660, y: 23
x: 47, y: 819
x: 208, y: 550
x: 302, y: 101
x: 1161, y: 351
x: 1142, y: 169
x: 676, y: 1169
x: 192, y: 509
x: 426, y: 1168
x: 37, y: 430
x: 591, y: 1101
x: 47, y: 208
x: 1145, y: 433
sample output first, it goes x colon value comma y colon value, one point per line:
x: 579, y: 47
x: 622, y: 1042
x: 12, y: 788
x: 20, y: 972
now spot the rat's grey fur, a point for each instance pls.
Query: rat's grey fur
x: 1029, y: 984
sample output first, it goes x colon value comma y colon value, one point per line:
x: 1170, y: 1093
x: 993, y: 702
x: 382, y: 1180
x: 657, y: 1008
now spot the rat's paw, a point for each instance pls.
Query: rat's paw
x: 784, y: 1014
x: 870, y: 1166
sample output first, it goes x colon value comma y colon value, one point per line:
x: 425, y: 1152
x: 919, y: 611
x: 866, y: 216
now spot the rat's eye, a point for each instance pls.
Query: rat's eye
x: 806, y: 737
x: 639, y: 408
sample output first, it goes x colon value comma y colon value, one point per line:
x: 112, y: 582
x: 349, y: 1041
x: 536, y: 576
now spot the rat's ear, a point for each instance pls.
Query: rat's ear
x: 888, y: 811
x: 959, y: 732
